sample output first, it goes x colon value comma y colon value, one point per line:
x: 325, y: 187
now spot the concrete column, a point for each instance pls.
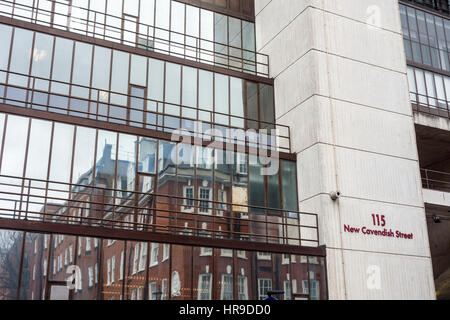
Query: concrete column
x: 341, y: 85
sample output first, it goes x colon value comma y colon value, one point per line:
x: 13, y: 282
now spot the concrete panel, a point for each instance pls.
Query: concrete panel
x: 428, y: 120
x: 357, y: 214
x: 381, y: 13
x: 374, y: 130
x: 401, y: 277
x: 372, y: 176
x: 368, y: 85
x: 311, y: 122
x: 315, y: 171
x: 301, y: 81
x: 436, y: 197
x: 268, y: 26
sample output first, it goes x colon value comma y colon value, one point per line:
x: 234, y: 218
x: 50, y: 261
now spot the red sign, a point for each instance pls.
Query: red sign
x: 378, y: 221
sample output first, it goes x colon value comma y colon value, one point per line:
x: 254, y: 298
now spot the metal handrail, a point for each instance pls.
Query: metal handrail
x: 282, y: 141
x: 259, y: 65
x: 421, y: 102
x: 435, y: 180
x: 254, y: 222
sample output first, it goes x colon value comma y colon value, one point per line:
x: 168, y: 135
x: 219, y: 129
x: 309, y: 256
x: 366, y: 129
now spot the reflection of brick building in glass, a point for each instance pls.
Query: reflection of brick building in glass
x: 144, y: 270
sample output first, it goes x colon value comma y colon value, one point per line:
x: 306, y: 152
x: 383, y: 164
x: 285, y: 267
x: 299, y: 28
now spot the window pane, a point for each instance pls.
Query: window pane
x: 131, y: 7
x: 256, y: 186
x: 82, y: 64
x: 267, y: 106
x: 38, y: 149
x: 156, y: 80
x: 205, y: 90
x: 61, y: 153
x: 10, y: 257
x: 20, y: 56
x: 138, y: 70
x: 147, y: 155
x: 83, y: 161
x: 173, y: 82
x: 126, y: 166
x: 102, y: 65
x: 106, y: 160
x: 190, y: 91
x: 5, y: 35
x: 42, y: 55
x: 289, y: 184
x: 62, y: 63
x: 14, y: 146
x: 237, y: 101
x: 221, y: 98
x: 119, y: 79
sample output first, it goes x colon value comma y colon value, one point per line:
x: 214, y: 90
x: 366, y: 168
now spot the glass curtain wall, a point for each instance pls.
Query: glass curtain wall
x: 170, y: 27
x: 62, y: 267
x: 84, y: 80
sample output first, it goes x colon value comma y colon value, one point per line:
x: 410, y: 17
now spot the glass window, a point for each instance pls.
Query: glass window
x: 82, y: 64
x: 42, y: 55
x: 237, y: 101
x: 83, y: 159
x: 147, y: 15
x: 205, y: 90
x: 221, y: 98
x: 189, y: 97
x: 220, y: 30
x: 173, y: 83
x: 38, y: 149
x: 147, y: 155
x: 10, y: 264
x: 20, y: 56
x: 14, y: 146
x: 163, y: 14
x: 61, y: 158
x: 131, y: 7
x: 156, y: 80
x: 256, y: 185
x: 273, y: 192
x: 126, y: 166
x: 106, y: 158
x: 192, y: 21
x: 101, y: 70
x: 289, y: 185
x: 138, y: 70
x: 5, y: 35
x: 166, y: 167
x: 62, y: 62
x: 119, y: 82
x: 267, y: 106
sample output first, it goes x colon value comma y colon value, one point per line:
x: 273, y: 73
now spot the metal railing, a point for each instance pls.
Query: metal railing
x: 435, y: 180
x: 439, y: 5
x: 64, y: 203
x: 430, y: 105
x: 142, y: 36
x: 155, y: 115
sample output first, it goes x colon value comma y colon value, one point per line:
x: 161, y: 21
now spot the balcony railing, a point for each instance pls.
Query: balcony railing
x: 439, y: 5
x: 97, y: 206
x: 130, y: 32
x: 155, y: 115
x: 430, y: 105
x: 435, y: 180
